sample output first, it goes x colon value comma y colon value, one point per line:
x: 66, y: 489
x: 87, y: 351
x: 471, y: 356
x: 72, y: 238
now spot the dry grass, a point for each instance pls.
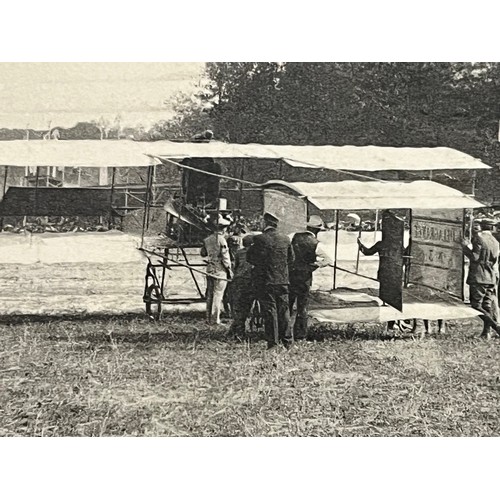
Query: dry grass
x: 127, y: 377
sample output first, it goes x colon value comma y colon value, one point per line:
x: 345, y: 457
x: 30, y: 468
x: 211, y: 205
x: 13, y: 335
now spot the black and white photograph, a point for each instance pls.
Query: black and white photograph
x: 257, y: 250
x: 285, y: 270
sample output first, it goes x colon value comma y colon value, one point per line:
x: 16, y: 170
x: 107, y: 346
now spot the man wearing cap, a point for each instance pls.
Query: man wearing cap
x: 271, y: 254
x: 242, y: 290
x: 218, y: 269
x: 483, y: 273
x: 309, y: 256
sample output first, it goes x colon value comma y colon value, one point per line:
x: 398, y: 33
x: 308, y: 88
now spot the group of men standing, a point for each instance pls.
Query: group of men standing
x: 271, y: 268
x: 483, y: 252
x: 276, y: 270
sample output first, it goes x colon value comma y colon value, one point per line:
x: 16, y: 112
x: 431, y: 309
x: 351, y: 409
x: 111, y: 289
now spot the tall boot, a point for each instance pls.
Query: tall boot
x: 486, y: 333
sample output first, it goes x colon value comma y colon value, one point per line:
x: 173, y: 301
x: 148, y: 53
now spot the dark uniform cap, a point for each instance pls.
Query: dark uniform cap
x: 485, y: 222
x: 271, y: 218
x: 248, y: 240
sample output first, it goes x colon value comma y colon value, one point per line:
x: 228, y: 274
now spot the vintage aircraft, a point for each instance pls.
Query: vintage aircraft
x: 168, y: 188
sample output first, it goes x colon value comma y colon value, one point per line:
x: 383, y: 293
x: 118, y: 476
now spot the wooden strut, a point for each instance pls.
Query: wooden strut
x: 135, y: 197
x: 408, y: 257
x: 163, y: 160
x: 356, y: 274
x: 5, y: 175
x: 240, y: 189
x: 37, y: 175
x: 162, y: 285
x: 335, y: 250
x: 111, y: 195
x: 147, y: 200
x: 352, y: 174
x: 156, y: 254
x: 464, y: 223
x: 357, y: 255
x: 192, y: 273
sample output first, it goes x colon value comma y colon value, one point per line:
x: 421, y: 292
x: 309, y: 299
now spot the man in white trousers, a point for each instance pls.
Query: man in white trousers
x: 219, y: 270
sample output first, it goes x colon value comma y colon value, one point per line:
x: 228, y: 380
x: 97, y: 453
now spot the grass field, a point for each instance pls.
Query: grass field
x: 128, y: 377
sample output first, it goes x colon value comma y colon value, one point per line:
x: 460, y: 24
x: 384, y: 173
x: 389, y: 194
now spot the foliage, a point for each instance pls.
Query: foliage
x: 245, y: 100
x: 350, y: 103
x: 385, y: 104
x: 190, y: 118
x: 128, y: 377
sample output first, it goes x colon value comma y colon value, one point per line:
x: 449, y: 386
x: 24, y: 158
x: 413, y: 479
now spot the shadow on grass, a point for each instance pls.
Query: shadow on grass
x: 358, y: 331
x: 182, y: 328
x: 25, y: 319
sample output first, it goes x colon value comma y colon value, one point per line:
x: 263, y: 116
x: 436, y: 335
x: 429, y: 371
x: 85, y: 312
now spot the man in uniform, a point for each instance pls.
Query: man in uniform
x: 218, y: 269
x: 309, y: 256
x: 271, y: 254
x: 242, y: 290
x: 483, y: 274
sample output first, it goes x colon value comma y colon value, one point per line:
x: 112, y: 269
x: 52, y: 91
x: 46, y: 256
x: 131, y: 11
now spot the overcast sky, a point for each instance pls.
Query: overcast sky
x: 32, y: 94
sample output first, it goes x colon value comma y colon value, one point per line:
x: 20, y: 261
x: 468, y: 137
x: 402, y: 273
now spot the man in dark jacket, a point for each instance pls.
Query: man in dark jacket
x: 483, y: 273
x: 242, y: 290
x: 309, y: 256
x: 271, y: 254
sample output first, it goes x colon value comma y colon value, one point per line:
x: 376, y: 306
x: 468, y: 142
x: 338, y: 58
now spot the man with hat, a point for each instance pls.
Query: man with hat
x: 242, y: 290
x: 483, y: 273
x: 271, y: 254
x: 216, y: 250
x: 309, y: 256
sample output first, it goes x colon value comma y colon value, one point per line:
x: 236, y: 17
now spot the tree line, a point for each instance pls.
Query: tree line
x: 386, y: 104
x: 454, y: 105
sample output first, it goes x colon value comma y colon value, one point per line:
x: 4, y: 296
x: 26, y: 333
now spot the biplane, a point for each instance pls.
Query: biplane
x: 166, y: 192
x: 424, y: 222
x: 420, y: 274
